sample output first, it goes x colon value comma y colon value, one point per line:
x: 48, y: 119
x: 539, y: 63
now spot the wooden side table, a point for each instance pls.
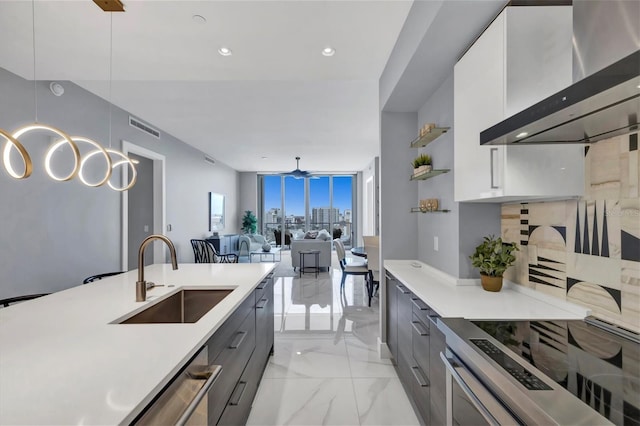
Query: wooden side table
x: 316, y: 266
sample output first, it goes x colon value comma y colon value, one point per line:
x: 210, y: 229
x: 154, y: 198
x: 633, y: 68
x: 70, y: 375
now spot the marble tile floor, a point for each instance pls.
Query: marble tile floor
x: 326, y: 369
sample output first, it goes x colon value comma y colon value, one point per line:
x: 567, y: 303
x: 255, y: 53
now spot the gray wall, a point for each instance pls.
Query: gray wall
x: 462, y: 229
x: 439, y: 110
x: 55, y: 234
x: 398, y: 237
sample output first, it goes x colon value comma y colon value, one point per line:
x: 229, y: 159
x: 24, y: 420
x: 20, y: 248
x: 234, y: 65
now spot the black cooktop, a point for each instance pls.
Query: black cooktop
x: 599, y: 367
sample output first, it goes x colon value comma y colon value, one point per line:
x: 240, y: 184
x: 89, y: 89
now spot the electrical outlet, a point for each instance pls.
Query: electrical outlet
x: 435, y: 243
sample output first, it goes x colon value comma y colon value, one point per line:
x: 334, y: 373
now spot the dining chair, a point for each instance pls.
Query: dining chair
x: 372, y: 248
x: 11, y: 300
x: 349, y: 268
x: 205, y: 252
x: 98, y: 277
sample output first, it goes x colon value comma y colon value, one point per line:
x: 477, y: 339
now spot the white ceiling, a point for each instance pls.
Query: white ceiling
x: 275, y: 97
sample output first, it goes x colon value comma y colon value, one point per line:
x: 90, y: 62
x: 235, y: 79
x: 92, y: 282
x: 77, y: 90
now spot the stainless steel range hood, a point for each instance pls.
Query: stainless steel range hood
x: 600, y: 106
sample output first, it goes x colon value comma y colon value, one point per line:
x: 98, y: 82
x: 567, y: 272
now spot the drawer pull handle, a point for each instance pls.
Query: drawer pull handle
x: 402, y: 289
x: 237, y: 340
x: 262, y: 303
x: 420, y: 304
x: 215, y: 372
x: 236, y: 396
x: 262, y: 285
x: 419, y: 328
x: 418, y: 376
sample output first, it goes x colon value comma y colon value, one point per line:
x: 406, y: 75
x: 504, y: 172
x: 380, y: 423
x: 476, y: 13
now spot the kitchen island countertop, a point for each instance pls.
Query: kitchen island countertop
x: 449, y: 299
x: 63, y: 360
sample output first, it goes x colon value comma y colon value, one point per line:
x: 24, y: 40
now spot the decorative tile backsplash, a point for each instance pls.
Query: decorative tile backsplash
x: 586, y: 251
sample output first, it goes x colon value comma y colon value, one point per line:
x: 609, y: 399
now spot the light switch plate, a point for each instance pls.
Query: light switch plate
x: 435, y: 243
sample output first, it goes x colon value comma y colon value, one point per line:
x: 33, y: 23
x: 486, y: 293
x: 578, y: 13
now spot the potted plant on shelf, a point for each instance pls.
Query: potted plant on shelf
x: 421, y: 164
x: 493, y: 257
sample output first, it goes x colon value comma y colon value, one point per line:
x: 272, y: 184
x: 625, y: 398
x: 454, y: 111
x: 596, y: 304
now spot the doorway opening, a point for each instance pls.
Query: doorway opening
x: 143, y: 206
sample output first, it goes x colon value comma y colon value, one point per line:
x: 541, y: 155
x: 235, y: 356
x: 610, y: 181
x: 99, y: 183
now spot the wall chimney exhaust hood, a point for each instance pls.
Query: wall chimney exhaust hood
x: 600, y: 106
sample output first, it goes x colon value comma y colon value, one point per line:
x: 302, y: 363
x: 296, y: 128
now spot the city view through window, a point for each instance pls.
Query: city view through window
x: 308, y: 204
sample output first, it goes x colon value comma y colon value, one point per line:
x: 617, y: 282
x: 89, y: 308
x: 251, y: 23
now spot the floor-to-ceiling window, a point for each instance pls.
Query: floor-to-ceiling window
x: 306, y: 204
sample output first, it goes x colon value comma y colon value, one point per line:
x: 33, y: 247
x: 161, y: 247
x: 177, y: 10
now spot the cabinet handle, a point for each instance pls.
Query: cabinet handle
x: 402, y: 289
x: 433, y: 319
x: 493, y: 153
x: 217, y: 369
x: 420, y: 304
x: 236, y: 396
x: 237, y: 340
x: 418, y: 376
x: 419, y: 328
x: 262, y: 285
x: 264, y: 303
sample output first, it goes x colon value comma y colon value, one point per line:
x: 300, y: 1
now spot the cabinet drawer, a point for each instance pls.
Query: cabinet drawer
x: 264, y: 322
x: 421, y: 393
x: 221, y: 338
x: 421, y: 310
x: 233, y: 359
x: 420, y: 343
x: 239, y: 405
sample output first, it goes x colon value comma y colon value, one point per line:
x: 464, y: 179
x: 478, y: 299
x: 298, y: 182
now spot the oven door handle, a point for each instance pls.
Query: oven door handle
x: 479, y: 396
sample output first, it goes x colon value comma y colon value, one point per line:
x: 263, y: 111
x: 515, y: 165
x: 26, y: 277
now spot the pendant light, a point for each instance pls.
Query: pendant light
x: 12, y: 141
x: 121, y: 159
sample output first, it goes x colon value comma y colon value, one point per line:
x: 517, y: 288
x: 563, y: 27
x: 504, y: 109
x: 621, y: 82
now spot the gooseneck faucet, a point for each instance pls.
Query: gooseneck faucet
x: 141, y: 284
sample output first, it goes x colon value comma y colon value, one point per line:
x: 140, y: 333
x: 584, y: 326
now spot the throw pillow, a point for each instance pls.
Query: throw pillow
x: 311, y: 235
x: 324, y: 235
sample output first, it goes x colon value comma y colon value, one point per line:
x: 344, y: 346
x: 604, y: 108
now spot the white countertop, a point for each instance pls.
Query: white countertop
x: 62, y: 361
x: 449, y: 299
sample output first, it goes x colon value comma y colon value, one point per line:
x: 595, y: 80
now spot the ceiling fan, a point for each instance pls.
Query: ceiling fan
x: 297, y: 173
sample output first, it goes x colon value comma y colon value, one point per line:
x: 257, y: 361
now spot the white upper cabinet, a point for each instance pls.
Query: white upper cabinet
x: 523, y: 57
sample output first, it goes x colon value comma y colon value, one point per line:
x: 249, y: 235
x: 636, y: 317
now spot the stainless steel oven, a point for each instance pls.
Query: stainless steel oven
x: 184, y: 400
x: 488, y: 383
x: 469, y: 402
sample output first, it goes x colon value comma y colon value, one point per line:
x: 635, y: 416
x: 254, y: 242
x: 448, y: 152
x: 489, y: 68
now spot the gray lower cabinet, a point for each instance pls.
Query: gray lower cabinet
x: 415, y: 343
x: 241, y: 346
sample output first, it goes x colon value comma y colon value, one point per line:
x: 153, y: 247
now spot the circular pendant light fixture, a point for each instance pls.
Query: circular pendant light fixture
x: 123, y: 161
x: 24, y: 154
x: 47, y: 163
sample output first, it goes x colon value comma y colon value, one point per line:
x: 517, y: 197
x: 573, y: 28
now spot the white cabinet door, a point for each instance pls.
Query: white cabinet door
x: 479, y: 99
x: 523, y: 57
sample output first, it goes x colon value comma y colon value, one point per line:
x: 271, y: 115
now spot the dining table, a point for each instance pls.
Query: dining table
x: 359, y: 251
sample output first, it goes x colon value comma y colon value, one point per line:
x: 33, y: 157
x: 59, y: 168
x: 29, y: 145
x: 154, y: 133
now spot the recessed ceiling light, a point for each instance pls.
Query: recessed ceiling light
x: 638, y: 86
x: 328, y: 51
x: 199, y: 19
x: 225, y: 51
x: 521, y: 135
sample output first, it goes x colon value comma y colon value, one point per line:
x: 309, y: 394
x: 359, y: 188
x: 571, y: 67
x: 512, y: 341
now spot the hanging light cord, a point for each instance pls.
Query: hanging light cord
x: 110, y: 69
x: 35, y: 85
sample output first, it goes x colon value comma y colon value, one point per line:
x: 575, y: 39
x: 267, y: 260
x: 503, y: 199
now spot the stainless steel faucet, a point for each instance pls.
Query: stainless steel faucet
x: 141, y: 284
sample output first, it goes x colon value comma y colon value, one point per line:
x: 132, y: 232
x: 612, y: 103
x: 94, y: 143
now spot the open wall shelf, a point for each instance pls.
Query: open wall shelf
x: 431, y: 174
x: 429, y: 137
x: 417, y: 210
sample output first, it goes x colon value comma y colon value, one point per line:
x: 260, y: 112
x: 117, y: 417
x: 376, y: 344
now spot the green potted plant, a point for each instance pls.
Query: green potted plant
x: 421, y: 164
x: 249, y: 222
x: 493, y: 257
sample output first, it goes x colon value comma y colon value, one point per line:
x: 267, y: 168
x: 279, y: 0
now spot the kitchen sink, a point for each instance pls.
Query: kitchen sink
x: 185, y: 306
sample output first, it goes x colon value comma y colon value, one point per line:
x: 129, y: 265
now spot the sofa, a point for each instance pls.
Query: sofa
x: 311, y: 244
x: 250, y: 242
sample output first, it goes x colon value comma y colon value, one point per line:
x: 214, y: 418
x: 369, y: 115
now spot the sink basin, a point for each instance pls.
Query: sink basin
x: 186, y: 306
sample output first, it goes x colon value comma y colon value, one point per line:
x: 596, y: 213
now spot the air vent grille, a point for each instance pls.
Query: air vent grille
x: 209, y: 159
x: 134, y: 122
